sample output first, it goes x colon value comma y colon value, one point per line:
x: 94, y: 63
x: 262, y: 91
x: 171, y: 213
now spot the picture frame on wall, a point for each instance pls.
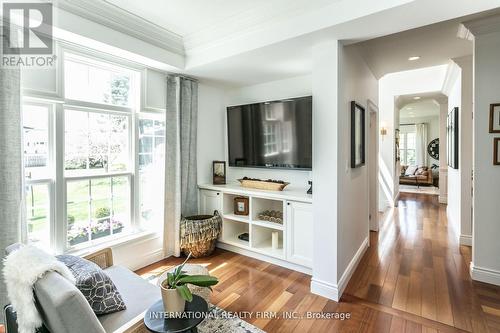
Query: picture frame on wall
x: 496, y: 151
x: 397, y: 153
x: 452, y: 130
x: 357, y: 135
x: 219, y: 172
x: 495, y: 118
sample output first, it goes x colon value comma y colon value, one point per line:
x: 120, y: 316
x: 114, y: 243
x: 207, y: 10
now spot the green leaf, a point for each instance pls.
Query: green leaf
x: 179, y: 268
x: 199, y: 280
x: 170, y: 279
x: 185, y: 293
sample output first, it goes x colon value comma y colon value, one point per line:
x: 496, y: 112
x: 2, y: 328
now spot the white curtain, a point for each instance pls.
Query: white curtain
x: 421, y: 144
x: 12, y: 209
x: 181, y: 185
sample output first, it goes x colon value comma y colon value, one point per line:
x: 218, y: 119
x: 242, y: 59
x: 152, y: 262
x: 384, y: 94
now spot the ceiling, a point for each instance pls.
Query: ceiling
x: 435, y: 45
x: 187, y: 17
x: 421, y: 108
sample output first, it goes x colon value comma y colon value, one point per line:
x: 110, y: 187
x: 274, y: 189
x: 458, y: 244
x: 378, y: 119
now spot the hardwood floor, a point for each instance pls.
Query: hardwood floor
x: 413, y: 278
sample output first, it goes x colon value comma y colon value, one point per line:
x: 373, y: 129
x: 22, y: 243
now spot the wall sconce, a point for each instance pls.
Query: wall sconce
x: 383, y: 132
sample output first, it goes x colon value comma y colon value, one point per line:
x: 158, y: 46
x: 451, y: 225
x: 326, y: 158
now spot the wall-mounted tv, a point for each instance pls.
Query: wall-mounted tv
x: 275, y: 134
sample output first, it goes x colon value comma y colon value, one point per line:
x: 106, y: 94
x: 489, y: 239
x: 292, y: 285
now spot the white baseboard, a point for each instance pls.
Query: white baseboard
x: 335, y: 291
x: 466, y: 240
x: 325, y: 289
x: 484, y: 274
x: 443, y: 199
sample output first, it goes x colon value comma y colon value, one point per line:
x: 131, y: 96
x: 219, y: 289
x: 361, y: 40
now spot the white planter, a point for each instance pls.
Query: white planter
x: 172, y: 301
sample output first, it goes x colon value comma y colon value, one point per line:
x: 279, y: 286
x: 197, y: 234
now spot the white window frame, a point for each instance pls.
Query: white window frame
x: 50, y: 180
x: 58, y: 180
x: 404, y: 131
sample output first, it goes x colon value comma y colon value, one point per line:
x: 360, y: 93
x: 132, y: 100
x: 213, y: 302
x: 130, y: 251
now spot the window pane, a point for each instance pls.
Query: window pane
x: 96, y: 82
x: 97, y: 208
x: 96, y: 142
x: 77, y: 209
x: 151, y: 169
x: 36, y: 141
x: 37, y: 214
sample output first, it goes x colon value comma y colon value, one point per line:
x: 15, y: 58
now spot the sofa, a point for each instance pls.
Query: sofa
x: 64, y: 309
x: 415, y: 175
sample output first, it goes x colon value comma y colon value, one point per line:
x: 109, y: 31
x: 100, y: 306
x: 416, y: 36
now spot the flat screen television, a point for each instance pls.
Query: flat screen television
x: 276, y: 134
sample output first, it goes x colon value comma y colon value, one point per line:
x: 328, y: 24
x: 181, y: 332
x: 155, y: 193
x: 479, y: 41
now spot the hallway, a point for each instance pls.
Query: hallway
x: 415, y: 265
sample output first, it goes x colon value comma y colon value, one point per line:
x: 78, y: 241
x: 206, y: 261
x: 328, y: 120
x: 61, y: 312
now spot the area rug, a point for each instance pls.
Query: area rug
x: 219, y: 320
x: 430, y: 190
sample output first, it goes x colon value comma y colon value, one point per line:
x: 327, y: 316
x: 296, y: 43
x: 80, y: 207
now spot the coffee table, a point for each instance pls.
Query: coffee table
x: 195, y: 313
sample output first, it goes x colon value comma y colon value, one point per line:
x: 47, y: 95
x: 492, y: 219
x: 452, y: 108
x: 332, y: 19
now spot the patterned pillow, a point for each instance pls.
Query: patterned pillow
x: 95, y: 285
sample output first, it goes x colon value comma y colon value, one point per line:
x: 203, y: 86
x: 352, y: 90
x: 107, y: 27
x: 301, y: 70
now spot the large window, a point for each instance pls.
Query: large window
x: 408, y: 145
x: 94, y: 162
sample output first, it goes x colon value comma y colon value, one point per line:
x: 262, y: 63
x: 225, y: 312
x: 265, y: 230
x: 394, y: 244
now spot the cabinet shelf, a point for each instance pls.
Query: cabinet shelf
x: 239, y: 218
x: 267, y: 224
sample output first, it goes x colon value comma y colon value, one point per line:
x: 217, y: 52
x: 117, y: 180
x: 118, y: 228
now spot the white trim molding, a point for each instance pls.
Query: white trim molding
x: 335, y: 291
x: 484, y: 274
x: 466, y: 240
x: 116, y: 18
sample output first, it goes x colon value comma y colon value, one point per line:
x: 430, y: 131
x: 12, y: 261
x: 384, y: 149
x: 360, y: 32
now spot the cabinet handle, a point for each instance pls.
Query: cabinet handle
x: 218, y: 193
x: 288, y: 203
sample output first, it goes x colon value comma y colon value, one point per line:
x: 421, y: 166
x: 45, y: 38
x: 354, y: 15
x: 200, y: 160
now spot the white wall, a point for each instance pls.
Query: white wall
x: 486, y: 247
x: 420, y: 81
x: 356, y: 83
x: 211, y: 130
x: 454, y: 186
x: 292, y: 87
x: 341, y: 206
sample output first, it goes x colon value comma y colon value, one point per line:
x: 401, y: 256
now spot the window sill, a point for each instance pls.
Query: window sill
x: 126, y: 239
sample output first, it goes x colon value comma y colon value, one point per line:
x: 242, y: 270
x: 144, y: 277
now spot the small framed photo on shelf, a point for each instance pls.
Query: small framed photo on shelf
x: 219, y: 172
x: 241, y: 206
x: 496, y: 151
x: 495, y: 118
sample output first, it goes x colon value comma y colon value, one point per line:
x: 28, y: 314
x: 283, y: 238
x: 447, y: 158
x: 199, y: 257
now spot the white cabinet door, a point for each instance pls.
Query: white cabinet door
x: 210, y: 201
x: 299, y: 225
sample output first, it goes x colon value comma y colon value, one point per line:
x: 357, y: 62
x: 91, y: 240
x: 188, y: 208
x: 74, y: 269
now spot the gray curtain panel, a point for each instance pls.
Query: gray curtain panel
x: 181, y: 192
x: 12, y: 209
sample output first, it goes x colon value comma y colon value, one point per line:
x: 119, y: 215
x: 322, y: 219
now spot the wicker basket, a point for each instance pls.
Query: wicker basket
x: 262, y: 185
x: 199, y: 234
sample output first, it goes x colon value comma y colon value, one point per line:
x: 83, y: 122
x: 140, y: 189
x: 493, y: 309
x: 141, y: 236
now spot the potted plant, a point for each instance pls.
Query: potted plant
x: 174, y: 290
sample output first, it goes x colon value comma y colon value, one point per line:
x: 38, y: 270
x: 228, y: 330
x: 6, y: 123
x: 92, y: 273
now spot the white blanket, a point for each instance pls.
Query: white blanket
x: 21, y: 270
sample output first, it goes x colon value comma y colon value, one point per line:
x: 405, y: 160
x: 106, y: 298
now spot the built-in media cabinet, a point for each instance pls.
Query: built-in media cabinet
x: 295, y: 234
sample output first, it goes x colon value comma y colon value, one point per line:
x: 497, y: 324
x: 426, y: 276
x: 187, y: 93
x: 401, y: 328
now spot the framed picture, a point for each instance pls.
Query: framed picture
x: 396, y: 141
x: 357, y: 135
x: 219, y: 172
x: 452, y: 138
x: 496, y: 151
x: 241, y: 206
x: 495, y: 118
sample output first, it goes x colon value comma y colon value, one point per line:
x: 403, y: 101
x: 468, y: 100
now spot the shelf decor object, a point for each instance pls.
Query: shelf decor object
x: 270, y: 185
x: 496, y: 152
x: 271, y: 216
x: 241, y: 206
x: 495, y: 118
x: 357, y: 135
x: 219, y: 172
x: 275, y: 240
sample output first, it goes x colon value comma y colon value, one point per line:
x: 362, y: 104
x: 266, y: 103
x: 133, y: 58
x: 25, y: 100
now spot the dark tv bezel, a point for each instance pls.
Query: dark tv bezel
x: 260, y: 166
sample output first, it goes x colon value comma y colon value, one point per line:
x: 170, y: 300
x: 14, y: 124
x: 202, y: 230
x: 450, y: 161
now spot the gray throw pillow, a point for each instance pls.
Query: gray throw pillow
x: 95, y: 285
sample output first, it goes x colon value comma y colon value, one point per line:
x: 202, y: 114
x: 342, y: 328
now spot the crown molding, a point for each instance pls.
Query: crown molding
x: 483, y: 26
x: 452, y: 74
x: 113, y: 17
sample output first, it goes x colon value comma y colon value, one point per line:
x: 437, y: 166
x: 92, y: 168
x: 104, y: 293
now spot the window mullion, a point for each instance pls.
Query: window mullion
x: 60, y: 228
